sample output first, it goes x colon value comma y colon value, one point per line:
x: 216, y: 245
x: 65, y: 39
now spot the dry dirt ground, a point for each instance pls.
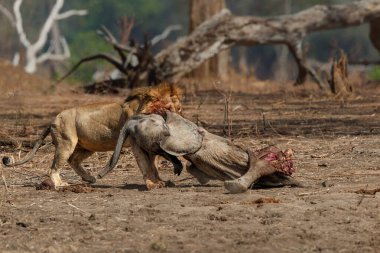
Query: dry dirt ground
x: 337, y: 147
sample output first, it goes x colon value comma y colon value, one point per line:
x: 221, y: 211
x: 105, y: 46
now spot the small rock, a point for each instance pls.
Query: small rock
x: 327, y: 184
x: 47, y: 184
x: 92, y: 217
x: 212, y: 217
x: 217, y: 218
x: 223, y: 218
x: 22, y: 224
x: 158, y: 246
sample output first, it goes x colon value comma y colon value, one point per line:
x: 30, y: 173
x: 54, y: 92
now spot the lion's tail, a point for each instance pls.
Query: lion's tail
x: 7, y: 160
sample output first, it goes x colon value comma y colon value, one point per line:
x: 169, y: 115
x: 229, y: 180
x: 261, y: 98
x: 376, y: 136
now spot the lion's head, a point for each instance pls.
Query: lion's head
x: 157, y: 99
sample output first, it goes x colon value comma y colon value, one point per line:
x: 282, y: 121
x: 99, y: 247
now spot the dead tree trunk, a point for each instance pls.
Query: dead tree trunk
x: 201, y: 11
x: 282, y: 54
x: 224, y: 30
x: 374, y: 33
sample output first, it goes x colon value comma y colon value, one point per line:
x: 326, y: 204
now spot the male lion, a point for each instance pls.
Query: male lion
x: 209, y: 156
x: 79, y: 132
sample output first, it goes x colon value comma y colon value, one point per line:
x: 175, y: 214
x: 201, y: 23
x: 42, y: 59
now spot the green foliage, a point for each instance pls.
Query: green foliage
x: 83, y: 45
x: 107, y: 13
x: 374, y: 73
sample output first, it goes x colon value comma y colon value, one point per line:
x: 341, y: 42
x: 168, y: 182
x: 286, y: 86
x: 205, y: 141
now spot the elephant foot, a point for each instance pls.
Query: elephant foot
x: 236, y: 186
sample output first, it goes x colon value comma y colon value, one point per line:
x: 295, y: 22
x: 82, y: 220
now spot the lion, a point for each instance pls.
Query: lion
x: 210, y: 157
x: 79, y: 132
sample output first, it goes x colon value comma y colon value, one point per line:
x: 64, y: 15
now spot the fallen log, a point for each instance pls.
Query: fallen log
x: 224, y: 30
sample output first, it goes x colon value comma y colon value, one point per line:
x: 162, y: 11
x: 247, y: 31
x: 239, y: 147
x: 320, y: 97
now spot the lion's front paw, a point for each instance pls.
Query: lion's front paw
x: 154, y: 185
x: 61, y: 184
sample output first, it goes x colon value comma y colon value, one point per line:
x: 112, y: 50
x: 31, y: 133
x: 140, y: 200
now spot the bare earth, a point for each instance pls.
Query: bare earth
x: 337, y: 147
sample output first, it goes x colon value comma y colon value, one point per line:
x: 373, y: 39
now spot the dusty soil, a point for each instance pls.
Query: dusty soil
x: 337, y: 151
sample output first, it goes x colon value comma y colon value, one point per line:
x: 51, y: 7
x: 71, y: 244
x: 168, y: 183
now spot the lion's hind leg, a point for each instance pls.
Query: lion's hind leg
x: 75, y: 160
x: 64, y: 142
x: 62, y: 153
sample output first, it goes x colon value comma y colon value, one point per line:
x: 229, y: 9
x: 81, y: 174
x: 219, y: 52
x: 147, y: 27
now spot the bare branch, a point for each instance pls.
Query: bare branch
x: 8, y: 15
x: 70, y: 13
x: 50, y: 56
x: 106, y: 57
x: 165, y: 34
x: 108, y: 36
x: 120, y: 49
x: 19, y: 27
x: 42, y: 38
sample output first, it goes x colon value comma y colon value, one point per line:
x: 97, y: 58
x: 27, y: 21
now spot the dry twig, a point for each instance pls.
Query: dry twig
x: 227, y: 110
x: 4, y: 181
x: 362, y: 196
x: 368, y: 192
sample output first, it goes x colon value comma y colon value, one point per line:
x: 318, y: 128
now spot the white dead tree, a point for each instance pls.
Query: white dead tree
x: 34, y: 51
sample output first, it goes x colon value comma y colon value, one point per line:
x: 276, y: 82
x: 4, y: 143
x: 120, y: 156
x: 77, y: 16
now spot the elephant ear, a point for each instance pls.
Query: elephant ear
x: 184, y: 137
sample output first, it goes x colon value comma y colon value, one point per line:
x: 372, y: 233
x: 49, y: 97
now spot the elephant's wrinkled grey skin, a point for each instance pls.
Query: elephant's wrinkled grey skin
x: 146, y: 134
x: 210, y: 157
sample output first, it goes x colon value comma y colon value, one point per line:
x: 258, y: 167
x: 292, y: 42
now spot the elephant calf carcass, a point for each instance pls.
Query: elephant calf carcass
x: 210, y: 157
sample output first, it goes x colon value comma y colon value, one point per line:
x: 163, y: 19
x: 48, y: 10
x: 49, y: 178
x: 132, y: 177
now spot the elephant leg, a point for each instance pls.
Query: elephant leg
x: 148, y: 167
x: 257, y: 168
x: 197, y: 173
x: 177, y: 165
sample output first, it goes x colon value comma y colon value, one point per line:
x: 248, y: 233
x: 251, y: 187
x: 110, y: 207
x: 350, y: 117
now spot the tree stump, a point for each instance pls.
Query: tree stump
x: 339, y: 83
